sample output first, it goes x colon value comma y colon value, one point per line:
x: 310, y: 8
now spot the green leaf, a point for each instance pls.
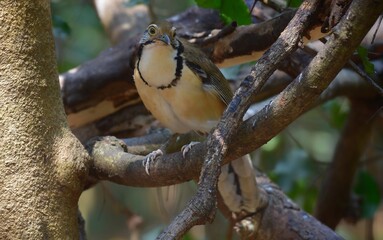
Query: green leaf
x: 295, y: 161
x: 337, y: 111
x: 215, y: 4
x: 368, y: 66
x: 367, y: 188
x: 294, y: 3
x: 295, y: 174
x: 230, y: 10
x: 188, y: 236
x: 236, y: 10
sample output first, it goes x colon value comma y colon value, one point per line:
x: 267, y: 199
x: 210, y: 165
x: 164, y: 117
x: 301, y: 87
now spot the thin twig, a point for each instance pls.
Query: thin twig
x: 365, y: 76
x: 361, y: 72
x: 377, y: 29
x: 253, y: 6
x: 201, y: 208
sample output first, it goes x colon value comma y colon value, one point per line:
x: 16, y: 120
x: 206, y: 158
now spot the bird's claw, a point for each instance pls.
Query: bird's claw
x: 186, y: 148
x: 150, y: 158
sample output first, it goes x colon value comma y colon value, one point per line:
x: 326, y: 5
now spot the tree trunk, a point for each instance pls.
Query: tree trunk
x: 43, y: 167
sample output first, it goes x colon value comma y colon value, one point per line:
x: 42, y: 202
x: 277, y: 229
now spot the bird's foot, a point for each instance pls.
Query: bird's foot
x: 186, y: 148
x: 151, y: 157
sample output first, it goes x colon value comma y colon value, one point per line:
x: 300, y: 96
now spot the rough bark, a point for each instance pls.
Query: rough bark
x: 43, y: 167
x: 114, y: 161
x: 104, y: 85
x: 302, y: 93
x: 322, y: 69
x: 201, y: 207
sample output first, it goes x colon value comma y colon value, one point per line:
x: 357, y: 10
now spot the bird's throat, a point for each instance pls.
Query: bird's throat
x: 160, y: 66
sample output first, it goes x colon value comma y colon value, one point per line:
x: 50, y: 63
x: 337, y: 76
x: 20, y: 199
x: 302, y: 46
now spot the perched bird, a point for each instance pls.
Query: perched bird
x: 185, y: 91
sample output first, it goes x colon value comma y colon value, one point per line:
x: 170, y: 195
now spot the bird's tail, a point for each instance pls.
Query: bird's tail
x: 237, y: 185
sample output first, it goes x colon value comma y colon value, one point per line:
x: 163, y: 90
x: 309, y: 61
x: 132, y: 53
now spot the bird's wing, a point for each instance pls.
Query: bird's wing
x: 211, y: 76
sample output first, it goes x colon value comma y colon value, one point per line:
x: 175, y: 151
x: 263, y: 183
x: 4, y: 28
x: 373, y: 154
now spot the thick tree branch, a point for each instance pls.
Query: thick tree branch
x: 201, y: 207
x: 177, y: 157
x: 247, y: 43
x: 270, y: 122
x: 130, y: 121
x: 293, y: 223
x: 90, y: 84
x: 113, y: 162
x: 43, y: 166
x: 304, y: 91
x: 347, y: 83
x: 267, y: 117
x: 104, y: 85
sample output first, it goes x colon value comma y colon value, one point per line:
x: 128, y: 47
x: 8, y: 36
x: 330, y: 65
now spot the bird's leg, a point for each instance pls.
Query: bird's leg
x: 195, y: 136
x: 186, y: 148
x: 150, y: 158
x: 185, y: 142
x: 167, y: 147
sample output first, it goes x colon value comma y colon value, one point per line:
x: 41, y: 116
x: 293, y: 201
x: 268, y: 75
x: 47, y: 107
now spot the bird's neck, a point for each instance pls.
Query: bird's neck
x: 160, y: 66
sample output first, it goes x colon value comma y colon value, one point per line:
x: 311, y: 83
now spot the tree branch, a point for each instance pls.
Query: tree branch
x: 90, y: 83
x: 271, y: 115
x: 304, y: 91
x: 195, y: 151
x: 293, y: 223
x: 104, y: 85
x: 113, y: 161
x: 201, y: 207
x: 347, y: 83
x: 43, y: 166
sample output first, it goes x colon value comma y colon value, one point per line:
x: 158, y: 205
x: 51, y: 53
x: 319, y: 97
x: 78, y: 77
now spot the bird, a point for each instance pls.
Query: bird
x: 185, y: 91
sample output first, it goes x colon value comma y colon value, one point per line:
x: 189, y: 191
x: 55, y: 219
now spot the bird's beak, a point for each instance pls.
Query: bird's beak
x: 165, y: 38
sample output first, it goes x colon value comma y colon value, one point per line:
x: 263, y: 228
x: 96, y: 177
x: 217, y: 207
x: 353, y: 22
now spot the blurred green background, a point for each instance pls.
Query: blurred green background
x: 296, y: 159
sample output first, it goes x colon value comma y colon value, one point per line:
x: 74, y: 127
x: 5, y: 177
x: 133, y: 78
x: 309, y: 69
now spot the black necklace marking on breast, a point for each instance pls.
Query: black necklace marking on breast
x: 179, y: 66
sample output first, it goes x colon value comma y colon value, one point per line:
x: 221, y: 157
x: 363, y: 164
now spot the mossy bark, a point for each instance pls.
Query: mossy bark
x: 42, y: 166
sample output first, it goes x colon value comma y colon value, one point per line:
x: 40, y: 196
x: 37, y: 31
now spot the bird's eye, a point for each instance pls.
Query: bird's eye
x: 152, y: 30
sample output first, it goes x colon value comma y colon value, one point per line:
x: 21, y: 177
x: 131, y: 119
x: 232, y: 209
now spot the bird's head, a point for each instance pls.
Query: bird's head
x: 162, y: 33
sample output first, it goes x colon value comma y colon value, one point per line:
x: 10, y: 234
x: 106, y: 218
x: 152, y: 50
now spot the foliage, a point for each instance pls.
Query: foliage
x: 230, y: 10
x: 294, y: 3
x: 299, y: 185
x: 78, y: 33
x: 367, y: 189
x: 337, y: 112
x: 367, y: 64
x: 295, y: 165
